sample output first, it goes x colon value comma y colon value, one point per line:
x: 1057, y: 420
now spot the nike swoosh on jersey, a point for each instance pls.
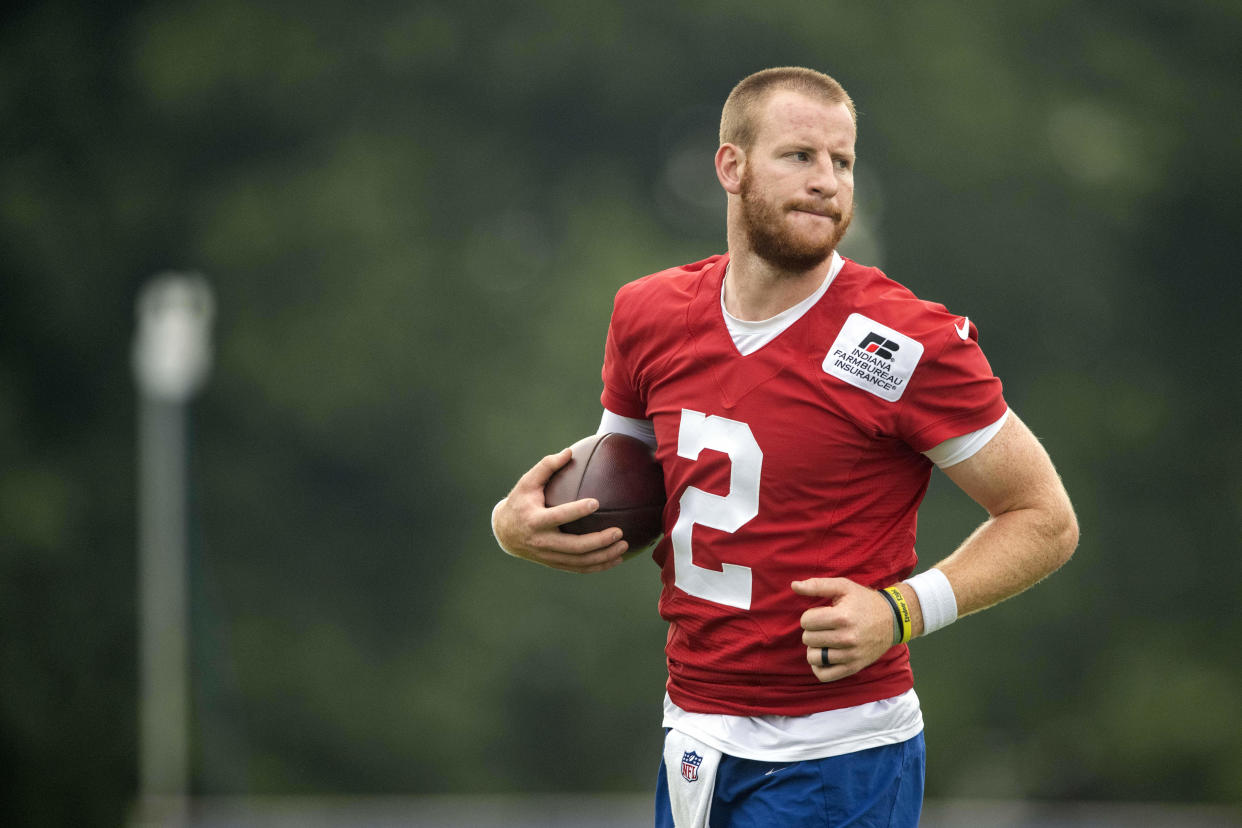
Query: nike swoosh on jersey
x: 963, y: 330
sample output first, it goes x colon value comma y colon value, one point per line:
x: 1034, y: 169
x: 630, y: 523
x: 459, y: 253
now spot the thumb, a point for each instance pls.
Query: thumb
x: 830, y: 588
x: 540, y: 473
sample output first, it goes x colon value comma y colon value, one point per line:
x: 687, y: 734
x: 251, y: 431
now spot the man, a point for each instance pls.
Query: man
x: 796, y: 402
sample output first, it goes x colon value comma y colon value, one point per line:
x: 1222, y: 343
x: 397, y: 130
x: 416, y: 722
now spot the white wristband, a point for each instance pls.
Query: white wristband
x: 936, y: 598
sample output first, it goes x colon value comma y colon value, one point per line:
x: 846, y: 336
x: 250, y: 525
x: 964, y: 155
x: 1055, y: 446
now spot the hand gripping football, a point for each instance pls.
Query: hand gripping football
x: 622, y: 474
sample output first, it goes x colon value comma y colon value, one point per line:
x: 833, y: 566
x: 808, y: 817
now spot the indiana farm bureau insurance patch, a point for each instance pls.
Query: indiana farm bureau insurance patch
x: 873, y: 357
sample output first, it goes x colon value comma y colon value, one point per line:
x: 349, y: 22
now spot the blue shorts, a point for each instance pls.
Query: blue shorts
x: 880, y: 786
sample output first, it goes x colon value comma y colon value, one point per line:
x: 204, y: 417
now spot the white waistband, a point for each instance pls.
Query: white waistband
x: 795, y: 738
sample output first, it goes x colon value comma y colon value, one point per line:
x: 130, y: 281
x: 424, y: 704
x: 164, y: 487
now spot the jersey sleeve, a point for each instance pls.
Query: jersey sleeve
x: 621, y: 393
x: 953, y: 393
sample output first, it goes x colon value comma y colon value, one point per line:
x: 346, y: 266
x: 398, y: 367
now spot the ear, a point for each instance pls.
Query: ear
x: 730, y: 161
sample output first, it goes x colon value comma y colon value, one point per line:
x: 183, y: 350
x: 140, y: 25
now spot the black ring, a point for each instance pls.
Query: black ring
x: 823, y: 657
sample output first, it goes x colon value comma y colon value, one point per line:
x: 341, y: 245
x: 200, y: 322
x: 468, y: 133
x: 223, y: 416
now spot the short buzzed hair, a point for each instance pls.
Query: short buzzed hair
x: 739, y: 119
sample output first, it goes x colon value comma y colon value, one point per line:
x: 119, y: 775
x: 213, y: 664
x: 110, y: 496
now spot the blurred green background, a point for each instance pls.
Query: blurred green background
x: 415, y: 215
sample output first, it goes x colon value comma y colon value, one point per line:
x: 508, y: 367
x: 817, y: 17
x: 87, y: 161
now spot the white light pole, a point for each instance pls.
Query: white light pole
x: 171, y: 358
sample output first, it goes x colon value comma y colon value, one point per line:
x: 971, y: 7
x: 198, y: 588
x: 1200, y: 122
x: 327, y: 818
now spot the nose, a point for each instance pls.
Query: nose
x: 823, y: 180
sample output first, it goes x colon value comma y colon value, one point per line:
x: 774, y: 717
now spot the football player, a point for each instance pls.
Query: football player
x: 797, y: 402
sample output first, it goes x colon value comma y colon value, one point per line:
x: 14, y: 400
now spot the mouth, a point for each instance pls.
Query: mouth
x: 828, y: 214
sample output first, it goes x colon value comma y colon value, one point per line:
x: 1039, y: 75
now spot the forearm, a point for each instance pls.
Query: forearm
x: 1008, y: 554
x: 1030, y: 533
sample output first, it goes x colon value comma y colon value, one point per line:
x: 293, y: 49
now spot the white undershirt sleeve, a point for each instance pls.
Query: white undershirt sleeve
x: 956, y: 449
x: 644, y: 430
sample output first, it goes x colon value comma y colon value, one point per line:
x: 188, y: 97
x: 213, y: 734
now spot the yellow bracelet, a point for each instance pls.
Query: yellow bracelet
x: 903, y: 612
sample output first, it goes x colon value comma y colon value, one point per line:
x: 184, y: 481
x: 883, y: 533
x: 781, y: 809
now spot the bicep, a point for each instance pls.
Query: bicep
x: 1013, y: 471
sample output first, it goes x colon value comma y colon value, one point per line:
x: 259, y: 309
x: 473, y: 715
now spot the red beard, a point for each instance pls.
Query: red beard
x: 784, y: 248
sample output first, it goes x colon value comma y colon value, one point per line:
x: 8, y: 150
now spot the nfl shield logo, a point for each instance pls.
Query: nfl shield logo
x: 690, y: 762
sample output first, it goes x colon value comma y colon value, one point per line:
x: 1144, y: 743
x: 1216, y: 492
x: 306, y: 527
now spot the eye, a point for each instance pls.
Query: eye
x: 844, y: 164
x: 801, y: 156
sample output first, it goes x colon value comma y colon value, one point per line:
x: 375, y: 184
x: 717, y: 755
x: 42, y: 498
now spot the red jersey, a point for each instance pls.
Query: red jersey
x: 799, y: 460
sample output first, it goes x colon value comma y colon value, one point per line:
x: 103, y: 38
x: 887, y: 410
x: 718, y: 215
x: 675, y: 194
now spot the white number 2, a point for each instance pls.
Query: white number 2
x: 730, y: 585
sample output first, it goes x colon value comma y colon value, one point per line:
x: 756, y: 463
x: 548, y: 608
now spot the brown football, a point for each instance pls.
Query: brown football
x: 622, y: 474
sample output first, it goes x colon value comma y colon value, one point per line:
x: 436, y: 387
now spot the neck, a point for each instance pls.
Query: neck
x: 754, y: 290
